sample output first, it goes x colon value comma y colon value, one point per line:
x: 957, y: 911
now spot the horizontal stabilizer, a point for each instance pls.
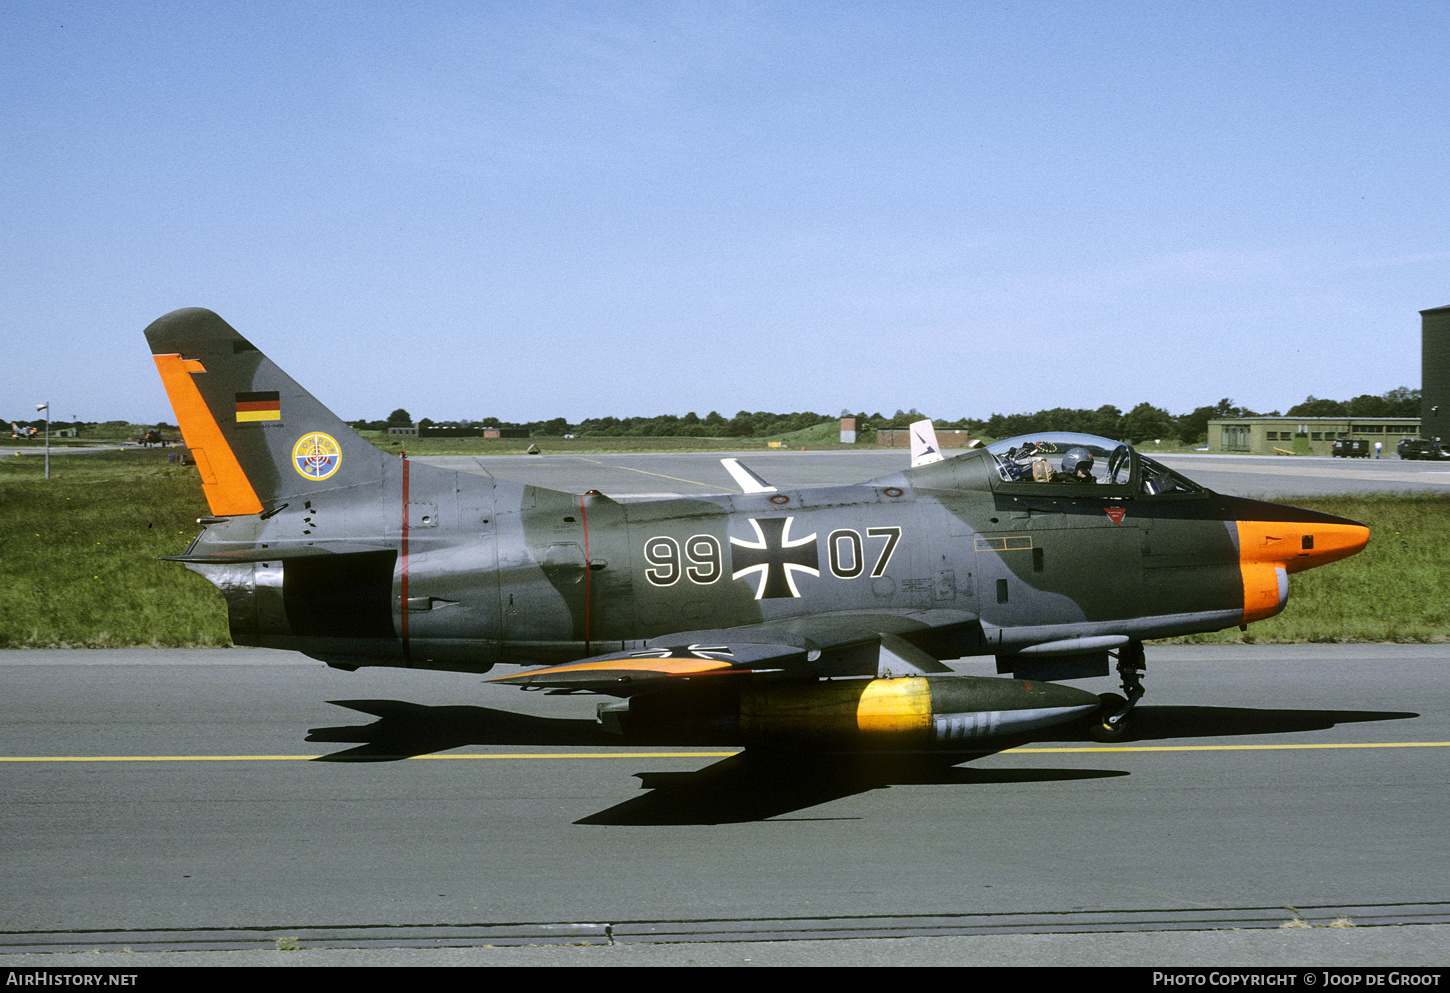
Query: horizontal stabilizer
x: 277, y: 553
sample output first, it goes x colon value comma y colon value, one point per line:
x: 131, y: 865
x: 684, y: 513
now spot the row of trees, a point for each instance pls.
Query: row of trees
x: 745, y: 424
x: 1142, y: 423
x: 1145, y: 421
x: 1403, y: 402
x: 98, y: 429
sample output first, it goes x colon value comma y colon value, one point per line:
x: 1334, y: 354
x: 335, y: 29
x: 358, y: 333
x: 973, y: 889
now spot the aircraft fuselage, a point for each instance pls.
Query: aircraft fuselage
x: 468, y: 571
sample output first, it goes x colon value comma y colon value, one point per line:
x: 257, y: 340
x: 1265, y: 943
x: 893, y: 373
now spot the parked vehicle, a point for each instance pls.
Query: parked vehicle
x: 1421, y: 448
x: 1356, y: 448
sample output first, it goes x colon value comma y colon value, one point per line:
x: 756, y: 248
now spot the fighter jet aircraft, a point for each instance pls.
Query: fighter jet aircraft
x: 772, y: 616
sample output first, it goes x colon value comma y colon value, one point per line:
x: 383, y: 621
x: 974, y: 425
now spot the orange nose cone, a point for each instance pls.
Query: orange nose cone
x: 1329, y: 543
x: 1300, y: 545
x: 1275, y: 541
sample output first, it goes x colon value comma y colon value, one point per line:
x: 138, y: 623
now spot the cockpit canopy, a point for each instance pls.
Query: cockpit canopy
x: 1064, y: 457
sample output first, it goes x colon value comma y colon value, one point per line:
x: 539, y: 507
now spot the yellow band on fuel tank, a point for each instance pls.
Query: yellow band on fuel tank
x: 894, y: 706
x: 834, y: 709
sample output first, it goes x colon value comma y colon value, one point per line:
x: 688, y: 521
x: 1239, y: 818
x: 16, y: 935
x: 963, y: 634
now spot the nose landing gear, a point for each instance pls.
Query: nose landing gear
x: 1111, y: 723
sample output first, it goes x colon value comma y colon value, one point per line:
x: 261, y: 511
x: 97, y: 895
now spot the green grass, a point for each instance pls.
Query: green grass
x: 79, y: 554
x: 79, y: 562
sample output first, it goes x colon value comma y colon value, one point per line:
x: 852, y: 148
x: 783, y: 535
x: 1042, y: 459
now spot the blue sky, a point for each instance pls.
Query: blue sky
x: 530, y: 210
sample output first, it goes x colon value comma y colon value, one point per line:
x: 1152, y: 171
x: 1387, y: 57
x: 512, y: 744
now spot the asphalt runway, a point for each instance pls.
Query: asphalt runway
x: 172, y: 802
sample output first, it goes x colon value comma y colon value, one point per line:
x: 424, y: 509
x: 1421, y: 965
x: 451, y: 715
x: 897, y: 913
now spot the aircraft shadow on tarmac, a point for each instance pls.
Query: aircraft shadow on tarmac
x: 404, y: 730
x: 758, y: 785
x: 1160, y: 723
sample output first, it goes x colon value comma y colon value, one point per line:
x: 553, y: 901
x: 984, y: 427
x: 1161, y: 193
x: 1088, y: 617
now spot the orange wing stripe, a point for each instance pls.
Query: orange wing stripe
x: 671, y: 666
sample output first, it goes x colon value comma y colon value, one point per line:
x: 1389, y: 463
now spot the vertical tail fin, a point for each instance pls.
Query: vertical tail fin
x: 258, y: 437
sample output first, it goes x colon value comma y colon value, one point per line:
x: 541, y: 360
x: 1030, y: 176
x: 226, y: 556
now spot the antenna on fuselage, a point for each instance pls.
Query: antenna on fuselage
x: 744, y: 478
x: 924, y: 448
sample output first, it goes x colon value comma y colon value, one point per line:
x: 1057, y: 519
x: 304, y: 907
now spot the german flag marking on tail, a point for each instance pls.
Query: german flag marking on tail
x: 254, y: 407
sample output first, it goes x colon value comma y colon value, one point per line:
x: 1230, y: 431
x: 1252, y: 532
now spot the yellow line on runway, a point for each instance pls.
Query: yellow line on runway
x: 158, y: 758
x: 1231, y: 748
x: 657, y: 475
x: 305, y: 758
x: 703, y: 755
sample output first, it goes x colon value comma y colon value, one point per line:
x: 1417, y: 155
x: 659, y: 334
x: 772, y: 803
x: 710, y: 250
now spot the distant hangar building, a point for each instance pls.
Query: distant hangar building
x: 1316, y: 435
x: 1306, y: 435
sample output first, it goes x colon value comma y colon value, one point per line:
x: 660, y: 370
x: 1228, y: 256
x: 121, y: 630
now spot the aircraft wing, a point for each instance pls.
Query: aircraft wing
x: 627, y: 673
x: 803, y: 648
x: 276, y: 553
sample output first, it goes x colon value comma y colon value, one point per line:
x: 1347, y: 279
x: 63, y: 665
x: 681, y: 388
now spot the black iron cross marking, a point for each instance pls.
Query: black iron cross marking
x: 775, y: 557
x: 720, y: 653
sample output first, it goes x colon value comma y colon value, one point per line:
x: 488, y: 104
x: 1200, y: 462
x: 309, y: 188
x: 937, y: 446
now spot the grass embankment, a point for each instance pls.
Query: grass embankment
x: 79, y: 562
x: 79, y: 554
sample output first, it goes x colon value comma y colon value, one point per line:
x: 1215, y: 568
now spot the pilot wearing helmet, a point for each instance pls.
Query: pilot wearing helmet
x: 1077, y: 467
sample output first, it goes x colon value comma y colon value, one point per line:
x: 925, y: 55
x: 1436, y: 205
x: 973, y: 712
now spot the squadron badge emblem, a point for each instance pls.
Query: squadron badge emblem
x: 316, y: 456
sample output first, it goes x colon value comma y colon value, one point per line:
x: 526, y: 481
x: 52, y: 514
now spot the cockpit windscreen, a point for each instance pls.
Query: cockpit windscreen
x: 1085, y: 459
x: 1062, y: 457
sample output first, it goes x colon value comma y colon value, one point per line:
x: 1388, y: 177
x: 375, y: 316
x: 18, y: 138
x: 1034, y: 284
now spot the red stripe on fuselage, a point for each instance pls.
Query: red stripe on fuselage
x: 403, y: 569
x: 584, y: 523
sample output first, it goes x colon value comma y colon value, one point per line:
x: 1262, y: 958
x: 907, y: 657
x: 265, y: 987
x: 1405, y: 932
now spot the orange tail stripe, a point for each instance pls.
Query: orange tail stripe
x: 228, y: 492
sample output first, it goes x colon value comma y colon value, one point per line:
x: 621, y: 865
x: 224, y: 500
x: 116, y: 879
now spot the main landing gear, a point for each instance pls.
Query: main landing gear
x: 1111, y: 722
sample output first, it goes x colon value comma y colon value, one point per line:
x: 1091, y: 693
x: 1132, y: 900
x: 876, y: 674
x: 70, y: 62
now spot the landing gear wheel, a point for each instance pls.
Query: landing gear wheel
x: 1103, y: 727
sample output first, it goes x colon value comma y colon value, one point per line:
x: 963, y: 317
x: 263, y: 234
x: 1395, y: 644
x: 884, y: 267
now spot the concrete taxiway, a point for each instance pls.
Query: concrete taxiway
x: 223, y: 799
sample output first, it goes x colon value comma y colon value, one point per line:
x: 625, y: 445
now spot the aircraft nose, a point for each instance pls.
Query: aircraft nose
x: 1275, y: 541
x: 1329, y: 542
x: 1300, y: 543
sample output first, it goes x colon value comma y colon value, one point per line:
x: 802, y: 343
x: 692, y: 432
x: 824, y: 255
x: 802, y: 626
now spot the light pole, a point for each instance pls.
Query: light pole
x: 46, y: 407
